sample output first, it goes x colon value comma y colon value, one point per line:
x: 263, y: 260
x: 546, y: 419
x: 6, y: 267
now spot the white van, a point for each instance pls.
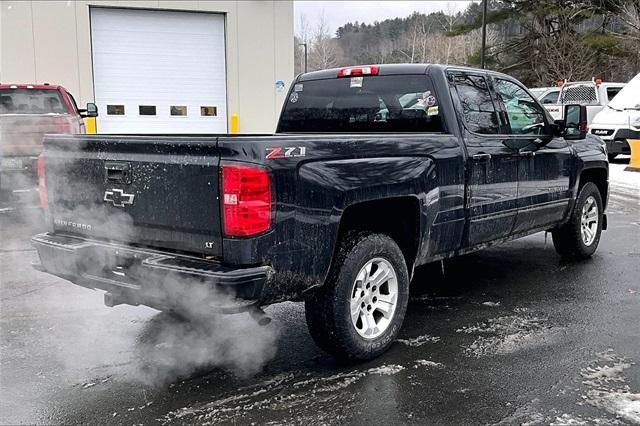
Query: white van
x: 620, y: 119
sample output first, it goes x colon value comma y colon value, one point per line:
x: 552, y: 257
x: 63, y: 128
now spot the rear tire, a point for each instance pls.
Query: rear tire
x: 579, y: 237
x: 358, y: 312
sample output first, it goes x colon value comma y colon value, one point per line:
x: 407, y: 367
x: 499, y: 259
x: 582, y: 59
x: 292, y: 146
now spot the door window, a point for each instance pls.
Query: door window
x: 180, y: 110
x: 526, y: 116
x: 612, y: 92
x: 477, y: 107
x: 115, y: 109
x: 551, y: 97
x: 147, y: 109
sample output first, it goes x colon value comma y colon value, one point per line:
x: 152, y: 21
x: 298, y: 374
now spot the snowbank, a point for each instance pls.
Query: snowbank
x: 624, y: 182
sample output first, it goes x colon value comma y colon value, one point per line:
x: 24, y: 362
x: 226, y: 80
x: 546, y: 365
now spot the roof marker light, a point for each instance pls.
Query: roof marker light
x: 358, y: 71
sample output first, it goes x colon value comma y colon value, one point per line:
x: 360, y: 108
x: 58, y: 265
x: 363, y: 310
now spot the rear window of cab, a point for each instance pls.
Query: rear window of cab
x: 31, y: 101
x: 362, y: 104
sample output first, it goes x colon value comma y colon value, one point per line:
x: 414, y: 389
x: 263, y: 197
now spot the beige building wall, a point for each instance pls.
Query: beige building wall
x: 50, y: 41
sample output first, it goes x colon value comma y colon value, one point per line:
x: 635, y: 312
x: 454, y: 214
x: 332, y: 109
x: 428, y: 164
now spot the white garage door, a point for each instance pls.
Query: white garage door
x: 159, y: 72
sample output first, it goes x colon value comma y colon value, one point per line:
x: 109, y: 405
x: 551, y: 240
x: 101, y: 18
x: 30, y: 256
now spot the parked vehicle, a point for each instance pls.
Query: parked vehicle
x: 620, y: 120
x: 337, y: 208
x: 546, y: 95
x: 594, y: 94
x: 27, y: 113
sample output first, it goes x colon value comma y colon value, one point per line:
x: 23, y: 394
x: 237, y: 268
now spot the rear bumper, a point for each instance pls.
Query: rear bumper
x: 160, y: 280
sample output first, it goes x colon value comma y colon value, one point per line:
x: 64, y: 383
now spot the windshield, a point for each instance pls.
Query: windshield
x: 391, y: 103
x: 628, y: 97
x: 31, y: 101
x: 537, y: 92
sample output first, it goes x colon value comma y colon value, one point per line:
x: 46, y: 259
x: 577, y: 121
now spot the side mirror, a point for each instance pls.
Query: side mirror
x: 575, y: 122
x: 91, y: 111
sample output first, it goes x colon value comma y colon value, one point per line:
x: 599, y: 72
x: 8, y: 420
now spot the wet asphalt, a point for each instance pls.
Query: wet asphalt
x: 508, y: 335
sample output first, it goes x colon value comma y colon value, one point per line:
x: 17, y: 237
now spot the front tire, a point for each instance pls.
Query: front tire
x: 358, y: 312
x: 579, y: 237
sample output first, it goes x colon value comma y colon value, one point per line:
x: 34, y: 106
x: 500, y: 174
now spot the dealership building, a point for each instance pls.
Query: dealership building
x: 156, y: 66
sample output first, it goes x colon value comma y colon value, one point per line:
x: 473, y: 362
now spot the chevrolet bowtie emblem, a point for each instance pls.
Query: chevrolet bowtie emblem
x: 118, y: 197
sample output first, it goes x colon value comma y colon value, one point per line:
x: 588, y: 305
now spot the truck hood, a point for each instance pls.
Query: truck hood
x: 612, y: 117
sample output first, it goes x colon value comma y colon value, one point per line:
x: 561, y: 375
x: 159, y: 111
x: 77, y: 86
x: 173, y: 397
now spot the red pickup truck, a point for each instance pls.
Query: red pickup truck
x: 27, y: 113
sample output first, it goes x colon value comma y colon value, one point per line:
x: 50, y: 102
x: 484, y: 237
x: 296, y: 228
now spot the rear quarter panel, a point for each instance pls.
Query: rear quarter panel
x: 338, y: 171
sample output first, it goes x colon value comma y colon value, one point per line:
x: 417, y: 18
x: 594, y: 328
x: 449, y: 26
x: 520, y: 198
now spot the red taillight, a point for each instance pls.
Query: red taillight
x: 65, y: 125
x: 42, y: 186
x: 356, y: 71
x: 246, y: 200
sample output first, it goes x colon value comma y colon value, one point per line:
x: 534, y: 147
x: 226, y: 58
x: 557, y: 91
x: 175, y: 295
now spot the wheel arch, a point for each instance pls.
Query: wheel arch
x: 397, y: 217
x: 600, y: 178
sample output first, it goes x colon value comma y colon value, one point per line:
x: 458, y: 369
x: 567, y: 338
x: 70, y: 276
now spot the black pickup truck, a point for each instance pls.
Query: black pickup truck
x: 372, y: 172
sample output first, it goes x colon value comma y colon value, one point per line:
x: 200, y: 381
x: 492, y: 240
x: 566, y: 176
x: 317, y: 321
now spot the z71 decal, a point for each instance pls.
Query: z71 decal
x: 285, y: 152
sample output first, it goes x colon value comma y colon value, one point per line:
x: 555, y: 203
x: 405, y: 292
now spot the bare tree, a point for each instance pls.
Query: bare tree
x: 323, y: 49
x: 301, y: 36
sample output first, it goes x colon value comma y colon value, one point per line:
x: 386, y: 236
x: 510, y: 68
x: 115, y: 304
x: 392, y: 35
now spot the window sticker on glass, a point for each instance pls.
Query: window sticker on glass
x: 432, y: 111
x: 293, y: 98
x: 208, y: 111
x: 115, y: 109
x: 178, y: 110
x: 147, y: 109
x: 298, y: 87
x: 356, y: 82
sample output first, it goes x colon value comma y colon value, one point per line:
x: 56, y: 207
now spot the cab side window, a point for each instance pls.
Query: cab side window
x: 525, y: 115
x: 478, y: 110
x: 551, y: 97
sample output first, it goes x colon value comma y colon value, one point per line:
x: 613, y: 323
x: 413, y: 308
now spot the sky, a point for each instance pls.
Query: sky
x: 338, y: 13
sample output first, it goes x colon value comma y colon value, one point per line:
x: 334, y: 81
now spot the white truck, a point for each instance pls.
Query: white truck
x: 594, y: 94
x: 620, y: 120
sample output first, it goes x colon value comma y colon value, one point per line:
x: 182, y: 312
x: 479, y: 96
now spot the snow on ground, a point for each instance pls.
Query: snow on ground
x: 420, y: 340
x: 605, y: 387
x: 608, y: 388
x: 282, y: 393
x: 508, y: 334
x: 426, y: 363
x: 624, y: 182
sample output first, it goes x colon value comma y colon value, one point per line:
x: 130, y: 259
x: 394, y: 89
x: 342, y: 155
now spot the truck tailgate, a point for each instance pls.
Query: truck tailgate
x: 154, y: 191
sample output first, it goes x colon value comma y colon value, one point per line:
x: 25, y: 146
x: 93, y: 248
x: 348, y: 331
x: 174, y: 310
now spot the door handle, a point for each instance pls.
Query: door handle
x: 528, y: 153
x: 118, y: 172
x: 481, y: 157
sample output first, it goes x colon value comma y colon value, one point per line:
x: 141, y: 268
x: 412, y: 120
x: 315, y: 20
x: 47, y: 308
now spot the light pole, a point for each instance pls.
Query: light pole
x: 484, y: 33
x: 305, y: 55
